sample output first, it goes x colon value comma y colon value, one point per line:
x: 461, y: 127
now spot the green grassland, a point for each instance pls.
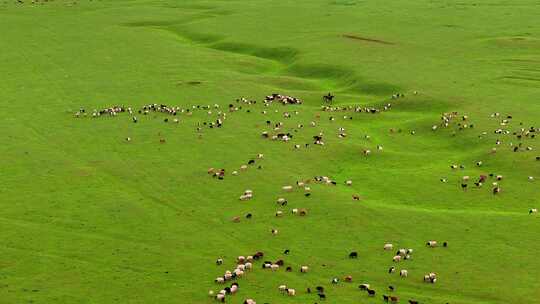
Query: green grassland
x: 87, y: 217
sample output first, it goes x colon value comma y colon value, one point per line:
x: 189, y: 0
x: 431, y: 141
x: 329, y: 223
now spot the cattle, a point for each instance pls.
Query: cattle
x: 353, y: 255
x: 388, y: 246
x: 403, y: 273
x: 363, y: 286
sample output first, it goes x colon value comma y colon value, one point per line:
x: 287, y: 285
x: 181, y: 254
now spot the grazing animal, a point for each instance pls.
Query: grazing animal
x: 304, y: 269
x: 291, y: 292
x: 320, y: 289
x: 353, y: 255
x: 403, y: 273
x: 534, y: 210
x: 386, y: 298
x: 371, y: 292
x: 388, y: 246
x: 363, y: 286
x: 287, y: 251
x: 392, y: 269
x: 413, y: 302
x: 391, y: 288
x: 348, y: 279
x: 431, y: 244
x: 219, y: 261
x: 322, y: 296
x: 335, y: 280
x: 394, y: 299
x: 397, y: 258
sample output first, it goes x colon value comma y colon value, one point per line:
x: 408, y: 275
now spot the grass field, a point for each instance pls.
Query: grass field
x: 87, y: 217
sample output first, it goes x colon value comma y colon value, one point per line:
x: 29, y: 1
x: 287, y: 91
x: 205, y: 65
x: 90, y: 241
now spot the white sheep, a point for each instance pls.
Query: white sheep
x: 287, y: 188
x: 431, y: 244
x: 291, y: 292
x: 403, y: 273
x: 274, y: 267
x: 388, y: 246
x: 304, y: 269
x: 348, y: 183
x: 396, y: 258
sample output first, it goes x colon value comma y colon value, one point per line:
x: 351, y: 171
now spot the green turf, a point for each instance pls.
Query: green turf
x: 88, y: 218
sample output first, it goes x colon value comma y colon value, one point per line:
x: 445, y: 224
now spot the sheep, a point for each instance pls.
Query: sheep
x: 279, y: 213
x: 220, y: 297
x: 353, y: 255
x: 391, y: 269
x: 249, y: 301
x: 367, y: 152
x: 227, y: 276
x: 260, y: 155
x: 403, y: 273
x: 401, y: 252
x: 274, y: 231
x: 531, y: 178
x: 348, y: 279
x: 248, y: 266
x: 219, y: 280
x: 281, y: 201
x: 294, y: 211
x: 282, y: 288
x: 211, y: 293
x: 219, y: 261
x: 304, y: 269
x: 243, y: 167
x: 431, y: 244
x: 302, y: 212
x: 533, y: 210
x: 388, y: 246
x: 234, y: 288
x: 396, y: 258
x: 287, y: 188
x: 236, y: 219
x: 348, y: 183
x: 234, y: 173
x: 291, y: 292
x: 241, y: 259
